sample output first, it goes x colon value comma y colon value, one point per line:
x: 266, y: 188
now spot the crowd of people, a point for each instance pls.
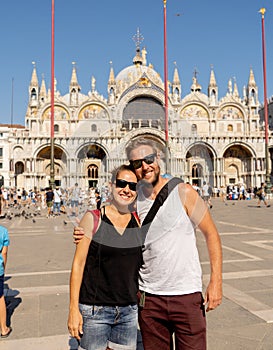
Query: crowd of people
x: 56, y: 200
x: 59, y: 200
x: 232, y: 192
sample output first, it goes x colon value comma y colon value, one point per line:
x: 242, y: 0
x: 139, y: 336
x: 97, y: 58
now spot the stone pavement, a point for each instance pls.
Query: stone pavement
x: 41, y: 253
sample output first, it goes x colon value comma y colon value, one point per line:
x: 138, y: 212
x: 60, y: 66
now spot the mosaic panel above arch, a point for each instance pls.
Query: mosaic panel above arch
x: 193, y: 111
x: 60, y: 113
x: 230, y: 113
x: 93, y: 111
x: 237, y: 151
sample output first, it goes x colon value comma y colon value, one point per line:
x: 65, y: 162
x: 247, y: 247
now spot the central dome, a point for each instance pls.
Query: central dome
x: 133, y: 73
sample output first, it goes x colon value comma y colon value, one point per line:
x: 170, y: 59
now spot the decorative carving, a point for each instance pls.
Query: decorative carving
x: 144, y: 82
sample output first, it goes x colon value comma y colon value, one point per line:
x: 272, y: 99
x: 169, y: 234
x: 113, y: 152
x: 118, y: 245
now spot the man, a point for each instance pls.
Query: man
x: 98, y: 199
x: 206, y: 194
x: 75, y: 198
x: 49, y: 195
x: 170, y: 278
x: 170, y: 281
x: 57, y: 201
x: 261, y: 196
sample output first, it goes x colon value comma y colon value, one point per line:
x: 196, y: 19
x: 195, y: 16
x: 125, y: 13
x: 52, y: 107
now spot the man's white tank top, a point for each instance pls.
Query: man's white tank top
x: 171, y: 260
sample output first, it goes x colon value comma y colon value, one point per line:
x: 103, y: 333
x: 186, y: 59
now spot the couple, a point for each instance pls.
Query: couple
x: 170, y: 278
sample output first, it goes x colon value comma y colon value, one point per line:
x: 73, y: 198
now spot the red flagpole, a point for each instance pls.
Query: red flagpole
x: 166, y: 88
x: 52, y: 172
x: 52, y: 70
x: 267, y: 174
x: 166, y: 72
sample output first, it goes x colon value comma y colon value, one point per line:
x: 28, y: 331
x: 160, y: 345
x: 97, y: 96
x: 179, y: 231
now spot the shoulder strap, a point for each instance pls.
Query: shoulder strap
x: 159, y: 200
x: 96, y: 218
x: 134, y: 213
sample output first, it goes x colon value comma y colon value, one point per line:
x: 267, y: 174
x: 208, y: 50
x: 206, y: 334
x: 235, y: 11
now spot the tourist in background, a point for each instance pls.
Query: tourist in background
x: 4, y: 243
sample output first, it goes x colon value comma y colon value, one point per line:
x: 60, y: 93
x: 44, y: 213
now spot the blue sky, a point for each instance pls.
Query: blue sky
x: 201, y: 33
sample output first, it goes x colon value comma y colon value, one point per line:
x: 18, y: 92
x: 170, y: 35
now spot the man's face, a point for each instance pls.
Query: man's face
x: 146, y: 172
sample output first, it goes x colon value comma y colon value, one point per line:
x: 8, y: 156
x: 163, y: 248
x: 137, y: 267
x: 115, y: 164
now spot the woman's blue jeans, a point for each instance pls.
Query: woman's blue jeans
x: 112, y: 326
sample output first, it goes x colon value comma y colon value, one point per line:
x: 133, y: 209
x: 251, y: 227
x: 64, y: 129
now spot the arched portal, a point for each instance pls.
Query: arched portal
x: 43, y: 161
x: 93, y: 164
x: 200, y: 161
x: 237, y: 165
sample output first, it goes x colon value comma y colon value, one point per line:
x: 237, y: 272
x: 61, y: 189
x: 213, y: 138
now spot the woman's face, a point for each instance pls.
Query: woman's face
x: 124, y: 188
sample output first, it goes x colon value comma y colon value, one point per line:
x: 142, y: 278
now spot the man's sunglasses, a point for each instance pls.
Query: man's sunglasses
x: 123, y: 183
x: 136, y: 164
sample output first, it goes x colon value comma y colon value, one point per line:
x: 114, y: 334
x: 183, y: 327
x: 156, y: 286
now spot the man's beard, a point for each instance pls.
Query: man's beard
x: 156, y: 178
x: 148, y: 184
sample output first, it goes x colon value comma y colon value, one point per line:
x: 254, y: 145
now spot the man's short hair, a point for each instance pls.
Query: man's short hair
x: 142, y: 141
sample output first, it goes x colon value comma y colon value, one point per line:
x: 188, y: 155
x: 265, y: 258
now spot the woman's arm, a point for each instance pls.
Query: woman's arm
x: 75, y: 318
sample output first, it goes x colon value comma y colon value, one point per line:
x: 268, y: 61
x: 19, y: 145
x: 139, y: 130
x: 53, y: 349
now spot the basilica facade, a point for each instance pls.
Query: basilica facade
x: 215, y: 139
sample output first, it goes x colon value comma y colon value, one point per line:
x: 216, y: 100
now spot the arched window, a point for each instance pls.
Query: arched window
x: 93, y: 171
x: 93, y: 127
x: 56, y: 128
x: 19, y: 168
x: 213, y: 93
x: 197, y: 171
x: 33, y: 94
x: 270, y: 122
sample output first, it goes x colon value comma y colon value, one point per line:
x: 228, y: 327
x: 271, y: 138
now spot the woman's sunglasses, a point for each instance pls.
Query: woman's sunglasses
x: 136, y: 164
x: 123, y: 183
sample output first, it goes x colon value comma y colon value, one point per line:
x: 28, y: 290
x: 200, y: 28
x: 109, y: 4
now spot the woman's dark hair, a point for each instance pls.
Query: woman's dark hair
x: 118, y: 170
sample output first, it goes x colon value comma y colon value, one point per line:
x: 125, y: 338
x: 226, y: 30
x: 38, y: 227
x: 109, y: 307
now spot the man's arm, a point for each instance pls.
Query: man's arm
x: 213, y: 295
x: 201, y: 218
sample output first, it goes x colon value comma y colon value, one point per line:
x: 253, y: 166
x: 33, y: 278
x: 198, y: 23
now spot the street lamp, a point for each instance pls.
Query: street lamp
x: 167, y: 155
x: 267, y: 173
x: 52, y: 172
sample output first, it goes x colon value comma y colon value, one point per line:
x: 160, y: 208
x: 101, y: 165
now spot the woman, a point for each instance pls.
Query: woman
x: 104, y: 276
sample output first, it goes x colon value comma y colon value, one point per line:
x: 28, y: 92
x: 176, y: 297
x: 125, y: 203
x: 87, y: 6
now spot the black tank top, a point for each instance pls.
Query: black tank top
x: 111, y: 270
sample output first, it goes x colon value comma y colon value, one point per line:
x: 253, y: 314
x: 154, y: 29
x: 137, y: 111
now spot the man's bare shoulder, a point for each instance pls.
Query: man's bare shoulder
x: 187, y: 188
x: 187, y: 192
